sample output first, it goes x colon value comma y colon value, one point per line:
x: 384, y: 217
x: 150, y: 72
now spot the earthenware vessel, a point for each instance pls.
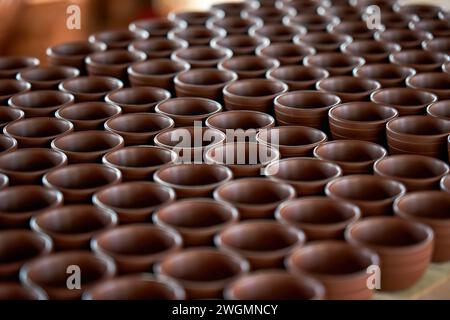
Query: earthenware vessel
x: 420, y: 60
x: 90, y: 88
x: 47, y: 78
x: 8, y: 115
x: 434, y: 82
x: 323, y: 41
x: 441, y: 45
x: 286, y: 53
x: 277, y: 32
x: 423, y: 11
x: 312, y: 21
x: 405, y: 38
x: 158, y: 47
x: 249, y: 67
x: 231, y: 8
x: 298, y: 77
x: 201, y: 56
x: 371, y: 51
x: 196, y: 35
x: 234, y: 24
x: 358, y: 30
x: 440, y: 109
x: 7, y: 144
x: 118, y: 38
x: 10, y: 66
x: 387, y: 74
x: 11, y: 87
x: 342, y: 11
x: 195, y: 18
x: 138, y: 99
x: 395, y: 20
x: 337, y: 64
x: 240, y: 44
x: 15, y: 291
x: 269, y: 14
x: 157, y: 27
x: 42, y: 103
x: 438, y: 28
x: 348, y: 88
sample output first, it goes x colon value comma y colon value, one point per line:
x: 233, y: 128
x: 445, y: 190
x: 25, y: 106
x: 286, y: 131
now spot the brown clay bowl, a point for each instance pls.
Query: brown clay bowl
x: 387, y: 74
x: 438, y: 28
x: 405, y: 38
x: 136, y: 248
x: 79, y: 182
x: 312, y: 21
x: 434, y: 82
x: 422, y: 10
x: 157, y: 27
x: 232, y: 8
x: 269, y: 14
x: 139, y: 162
x: 7, y: 144
x: 14, y: 291
x: 441, y: 45
x: 90, y: 88
x: 42, y: 103
x: 195, y: 18
x: 134, y: 201
x: 323, y: 41
x: 234, y: 24
x: 420, y: 60
x: 277, y: 32
x: 404, y: 247
x: 240, y: 44
x: 138, y: 99
x: 8, y: 115
x: 371, y: 50
x: 348, y: 88
x: 157, y: 47
x: 286, y: 53
x: 249, y: 67
x: 47, y: 78
x: 193, y: 179
x: 337, y: 64
x: 198, y: 220
x: 202, y: 56
x: 12, y: 65
x: 358, y: 30
x: 196, y: 35
x: 298, y: 77
x: 395, y: 20
x: 342, y: 11
x: 118, y: 38
x: 11, y: 87
x: 440, y: 109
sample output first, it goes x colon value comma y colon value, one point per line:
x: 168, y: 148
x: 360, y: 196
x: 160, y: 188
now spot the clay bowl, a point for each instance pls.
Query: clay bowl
x: 139, y: 128
x: 360, y: 121
x: 422, y: 10
x: 197, y: 220
x: 201, y: 56
x: 136, y: 248
x: 395, y: 20
x: 414, y: 171
x: 4, y: 181
x: 79, y: 182
x: 232, y: 8
x: 15, y: 291
x: 47, y: 78
x: 286, y: 53
x: 8, y: 115
x: 49, y: 273
x: 292, y: 141
x: 245, y: 159
x: 72, y: 227
x: 353, y: 156
x: 308, y: 176
x: 10, y: 87
x: 323, y: 41
x: 73, y: 53
x: 18, y: 247
x: 12, y: 65
x: 313, y: 22
x: 27, y: 166
x: 196, y: 35
x: 440, y: 109
x: 113, y: 63
x: 249, y: 67
x: 441, y: 45
x: 274, y: 285
x: 420, y: 60
x: 269, y: 14
x: 138, y: 99
x: 156, y: 73
x: 37, y: 132
x: 404, y: 247
x: 445, y: 183
x: 255, y: 198
x: 87, y: 146
x: 298, y: 77
x: 405, y: 38
x: 341, y: 267
x: 438, y: 28
x: 434, y: 82
x: 88, y: 115
x: 337, y: 64
x: 7, y: 144
x: 195, y: 18
x: 241, y: 44
x: 193, y: 179
x: 277, y: 32
x: 157, y: 27
x: 407, y: 101
x: 135, y: 287
x: 157, y: 48
x: 319, y: 218
x: 19, y: 204
x: 374, y: 195
x: 265, y: 244
x: 234, y: 24
x: 252, y: 94
x: 190, y: 143
x: 118, y: 38
x: 371, y: 51
x: 358, y: 30
x: 348, y: 88
x: 188, y: 111
x: 342, y: 11
x: 387, y: 74
x: 90, y: 88
x: 41, y: 103
x: 139, y: 162
x: 203, y: 83
x: 305, y: 107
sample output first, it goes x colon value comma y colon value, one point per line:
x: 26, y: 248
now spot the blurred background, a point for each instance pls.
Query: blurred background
x: 28, y: 27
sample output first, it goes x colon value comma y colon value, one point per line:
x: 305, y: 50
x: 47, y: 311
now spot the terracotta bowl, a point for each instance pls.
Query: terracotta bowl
x: 234, y: 24
x: 157, y: 27
x: 90, y: 88
x: 440, y: 109
x: 233, y: 9
x: 11, y: 66
x: 15, y: 291
x: 348, y: 88
x: 47, y: 78
x: 405, y: 38
x: 438, y: 28
x: 323, y: 41
x: 286, y: 53
x: 441, y: 45
x: 343, y: 11
x: 195, y: 18
x: 420, y: 60
x: 8, y: 115
x: 269, y: 14
x: 371, y: 51
x: 298, y: 77
x: 358, y: 30
x: 422, y: 10
x: 395, y: 20
x: 240, y: 44
x: 387, y: 74
x: 7, y: 144
x: 202, y: 56
x: 42, y: 103
x: 196, y: 35
x: 434, y: 82
x: 249, y: 67
x: 337, y: 64
x: 158, y: 47
x: 10, y: 87
x: 138, y: 99
x: 118, y: 38
x: 277, y: 32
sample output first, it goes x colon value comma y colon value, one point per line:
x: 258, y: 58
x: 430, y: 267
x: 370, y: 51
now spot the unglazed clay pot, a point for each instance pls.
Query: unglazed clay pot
x: 118, y: 38
x: 138, y: 99
x: 348, y: 88
x: 79, y: 182
x: 323, y: 41
x: 274, y: 285
x: 193, y: 180
x: 374, y: 195
x: 358, y: 30
x: 420, y: 60
x: 245, y: 159
x: 10, y: 87
x: 318, y: 217
x: 277, y: 32
x: 15, y: 291
x: 234, y: 24
x: 156, y: 72
x: 88, y: 115
x: 37, y: 132
x: 196, y: 219
x: 307, y: 175
x: 202, y: 56
x: 438, y: 28
x: 434, y: 82
x: 11, y: 66
x: 158, y: 47
x: 252, y: 94
x: 249, y: 67
x: 139, y: 128
x: 47, y: 78
x: 286, y: 53
x: 136, y: 248
x: 135, y: 287
x: 19, y: 204
x: 7, y: 144
x: 157, y: 27
x: 353, y: 156
x: 203, y: 83
x: 292, y: 141
x: 139, y: 162
x: 196, y: 35
x: 269, y: 14
x: 337, y: 64
x: 343, y: 11
x: 431, y: 208
x: 27, y: 166
x: 18, y: 247
x: 41, y: 103
x: 371, y: 50
x: 8, y: 115
x: 341, y: 267
x: 404, y: 247
x: 387, y: 74
x: 298, y: 77
x: 90, y: 88
x: 203, y: 272
x: 265, y: 244
x: 441, y: 45
x: 440, y: 109
x: 49, y: 273
x: 255, y: 198
x: 134, y: 201
x: 405, y: 38
x: 233, y: 9
x: 395, y: 20
x: 240, y: 44
x: 87, y: 146
x: 188, y: 111
x: 195, y: 18
x: 414, y: 171
x: 422, y: 10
